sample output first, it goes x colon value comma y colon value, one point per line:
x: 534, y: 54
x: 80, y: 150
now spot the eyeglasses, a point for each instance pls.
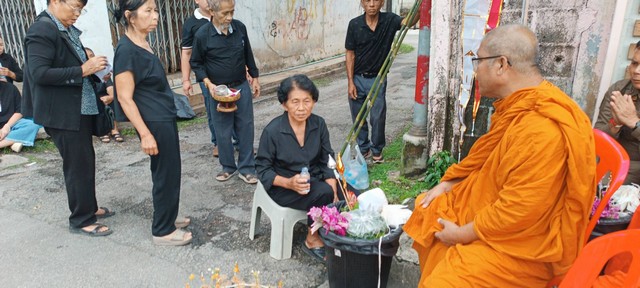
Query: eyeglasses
x: 476, y: 61
x: 79, y: 11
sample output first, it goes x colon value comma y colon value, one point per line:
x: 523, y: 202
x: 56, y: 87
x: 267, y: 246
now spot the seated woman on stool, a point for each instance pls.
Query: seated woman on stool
x: 294, y: 140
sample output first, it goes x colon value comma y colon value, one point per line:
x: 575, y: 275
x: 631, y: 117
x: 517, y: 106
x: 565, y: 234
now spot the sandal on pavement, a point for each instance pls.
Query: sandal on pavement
x: 366, y: 155
x: 182, y: 222
x: 224, y: 176
x: 316, y: 253
x: 177, y: 239
x: 107, y: 213
x: 117, y: 137
x: 105, y: 138
x: 248, y: 178
x: 93, y: 233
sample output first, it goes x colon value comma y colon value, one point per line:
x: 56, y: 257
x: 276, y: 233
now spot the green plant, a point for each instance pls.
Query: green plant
x: 436, y: 166
x: 405, y: 48
x: 396, y: 188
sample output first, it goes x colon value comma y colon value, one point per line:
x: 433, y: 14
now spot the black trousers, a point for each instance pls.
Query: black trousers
x: 79, y: 168
x: 319, y: 195
x: 166, y: 169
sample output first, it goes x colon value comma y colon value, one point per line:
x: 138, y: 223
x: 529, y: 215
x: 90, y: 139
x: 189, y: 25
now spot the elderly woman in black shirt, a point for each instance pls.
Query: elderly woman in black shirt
x: 290, y: 142
x: 144, y: 96
x: 10, y: 70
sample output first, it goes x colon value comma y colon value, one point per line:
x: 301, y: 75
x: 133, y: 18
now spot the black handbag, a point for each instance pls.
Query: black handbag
x: 103, y: 123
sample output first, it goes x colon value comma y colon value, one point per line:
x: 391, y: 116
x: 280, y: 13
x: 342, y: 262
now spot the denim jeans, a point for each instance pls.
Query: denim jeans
x: 209, y: 105
x: 240, y: 122
x: 377, y: 115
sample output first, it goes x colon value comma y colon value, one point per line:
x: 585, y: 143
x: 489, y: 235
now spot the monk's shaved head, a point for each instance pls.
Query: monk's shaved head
x: 516, y: 42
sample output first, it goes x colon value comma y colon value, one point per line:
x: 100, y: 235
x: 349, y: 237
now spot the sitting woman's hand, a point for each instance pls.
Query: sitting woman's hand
x: 300, y: 185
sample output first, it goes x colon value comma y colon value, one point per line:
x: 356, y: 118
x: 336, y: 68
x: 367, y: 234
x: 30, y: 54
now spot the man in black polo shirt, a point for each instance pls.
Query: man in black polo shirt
x: 221, y: 54
x: 369, y: 39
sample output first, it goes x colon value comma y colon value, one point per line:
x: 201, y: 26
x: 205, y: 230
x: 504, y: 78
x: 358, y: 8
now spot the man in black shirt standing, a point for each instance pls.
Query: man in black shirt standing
x: 369, y: 39
x: 199, y: 18
x: 221, y: 55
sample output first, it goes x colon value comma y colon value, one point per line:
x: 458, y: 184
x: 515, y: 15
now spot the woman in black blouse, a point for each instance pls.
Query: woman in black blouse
x: 10, y: 70
x: 145, y: 97
x: 294, y: 140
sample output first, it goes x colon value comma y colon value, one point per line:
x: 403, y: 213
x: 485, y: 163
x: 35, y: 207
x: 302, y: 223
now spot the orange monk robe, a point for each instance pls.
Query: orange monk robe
x: 528, y: 185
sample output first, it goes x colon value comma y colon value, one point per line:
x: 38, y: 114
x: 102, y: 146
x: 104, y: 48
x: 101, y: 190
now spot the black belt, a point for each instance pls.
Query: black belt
x: 234, y: 83
x: 368, y: 75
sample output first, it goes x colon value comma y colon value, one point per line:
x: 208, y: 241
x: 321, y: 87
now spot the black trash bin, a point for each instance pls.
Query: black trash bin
x: 353, y: 263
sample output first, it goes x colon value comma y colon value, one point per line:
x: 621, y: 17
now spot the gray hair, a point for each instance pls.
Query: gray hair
x: 215, y: 4
x: 516, y: 42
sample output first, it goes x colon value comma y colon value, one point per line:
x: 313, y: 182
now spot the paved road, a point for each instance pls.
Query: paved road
x: 36, y: 249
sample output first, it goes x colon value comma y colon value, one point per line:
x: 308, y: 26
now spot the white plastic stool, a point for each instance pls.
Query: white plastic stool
x: 282, y: 219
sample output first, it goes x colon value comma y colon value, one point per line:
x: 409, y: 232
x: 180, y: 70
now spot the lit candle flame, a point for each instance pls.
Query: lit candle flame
x: 339, y: 164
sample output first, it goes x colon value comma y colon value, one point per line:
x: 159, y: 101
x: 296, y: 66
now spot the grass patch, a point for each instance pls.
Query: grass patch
x: 40, y: 146
x: 405, y: 48
x: 189, y: 122
x: 398, y: 188
x: 322, y: 82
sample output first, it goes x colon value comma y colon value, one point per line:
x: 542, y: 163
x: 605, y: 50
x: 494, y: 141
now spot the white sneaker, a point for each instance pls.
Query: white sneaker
x: 16, y: 147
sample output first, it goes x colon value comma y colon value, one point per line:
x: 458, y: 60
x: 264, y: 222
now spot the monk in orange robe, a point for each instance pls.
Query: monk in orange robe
x: 513, y: 213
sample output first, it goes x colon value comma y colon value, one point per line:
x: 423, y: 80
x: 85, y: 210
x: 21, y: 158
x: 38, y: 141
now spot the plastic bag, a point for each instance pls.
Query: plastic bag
x: 355, y: 168
x: 373, y: 199
x: 367, y: 224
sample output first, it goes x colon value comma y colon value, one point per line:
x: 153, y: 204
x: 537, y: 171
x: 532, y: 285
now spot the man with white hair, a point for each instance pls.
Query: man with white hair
x: 221, y: 55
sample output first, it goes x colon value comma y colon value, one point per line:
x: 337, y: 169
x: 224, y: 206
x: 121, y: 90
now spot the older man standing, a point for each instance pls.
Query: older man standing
x: 221, y: 55
x: 619, y: 115
x: 514, y: 212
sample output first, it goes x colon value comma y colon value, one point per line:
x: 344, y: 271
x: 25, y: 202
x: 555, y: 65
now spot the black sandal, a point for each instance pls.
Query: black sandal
x: 107, y: 213
x: 93, y: 233
x: 316, y: 253
x: 117, y: 137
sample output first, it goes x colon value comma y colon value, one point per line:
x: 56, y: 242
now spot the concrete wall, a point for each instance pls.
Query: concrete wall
x: 573, y: 36
x: 286, y: 33
x: 283, y: 33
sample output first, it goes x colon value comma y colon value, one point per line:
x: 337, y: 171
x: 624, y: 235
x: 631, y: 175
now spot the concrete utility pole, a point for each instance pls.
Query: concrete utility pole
x: 416, y: 151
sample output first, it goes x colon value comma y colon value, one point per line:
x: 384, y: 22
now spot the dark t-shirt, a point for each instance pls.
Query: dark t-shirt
x: 280, y: 153
x: 9, y: 62
x: 189, y: 29
x: 9, y: 102
x: 223, y: 58
x: 371, y: 47
x: 152, y: 93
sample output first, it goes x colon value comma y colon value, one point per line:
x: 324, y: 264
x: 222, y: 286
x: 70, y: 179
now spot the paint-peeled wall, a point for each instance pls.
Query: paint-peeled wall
x: 288, y: 33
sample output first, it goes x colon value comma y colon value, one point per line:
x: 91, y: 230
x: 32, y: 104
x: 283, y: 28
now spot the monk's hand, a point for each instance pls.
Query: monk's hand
x: 450, y: 234
x: 624, y: 110
x: 434, y: 192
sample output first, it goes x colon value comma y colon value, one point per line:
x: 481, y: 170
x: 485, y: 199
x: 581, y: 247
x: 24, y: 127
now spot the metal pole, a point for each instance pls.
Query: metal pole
x: 422, y: 74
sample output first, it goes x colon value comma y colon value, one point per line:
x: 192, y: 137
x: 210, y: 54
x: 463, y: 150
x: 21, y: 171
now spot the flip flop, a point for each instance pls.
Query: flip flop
x: 224, y: 176
x: 105, y: 138
x: 93, y: 233
x: 177, y: 239
x: 316, y: 253
x: 107, y: 213
x: 182, y: 222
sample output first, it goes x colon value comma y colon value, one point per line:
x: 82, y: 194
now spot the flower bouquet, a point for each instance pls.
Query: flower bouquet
x: 619, y: 210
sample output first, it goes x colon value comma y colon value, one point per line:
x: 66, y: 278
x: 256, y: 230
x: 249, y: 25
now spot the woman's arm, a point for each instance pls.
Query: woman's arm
x: 4, y: 131
x: 125, y: 85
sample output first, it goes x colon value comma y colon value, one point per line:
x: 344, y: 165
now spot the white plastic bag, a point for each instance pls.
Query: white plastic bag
x: 627, y: 197
x: 373, y: 199
x: 355, y: 167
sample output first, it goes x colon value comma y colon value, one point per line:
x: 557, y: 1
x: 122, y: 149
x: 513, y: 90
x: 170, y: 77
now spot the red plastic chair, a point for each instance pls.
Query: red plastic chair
x: 612, y: 158
x: 586, y: 269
